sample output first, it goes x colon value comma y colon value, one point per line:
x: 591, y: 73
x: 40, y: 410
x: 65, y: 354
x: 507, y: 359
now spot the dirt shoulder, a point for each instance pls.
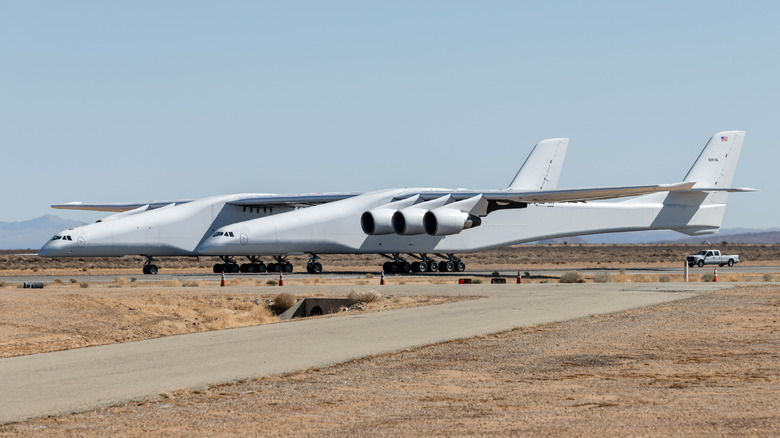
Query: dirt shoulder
x: 703, y: 366
x: 65, y: 316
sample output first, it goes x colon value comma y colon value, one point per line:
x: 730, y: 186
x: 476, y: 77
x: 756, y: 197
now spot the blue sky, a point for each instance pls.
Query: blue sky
x: 137, y: 101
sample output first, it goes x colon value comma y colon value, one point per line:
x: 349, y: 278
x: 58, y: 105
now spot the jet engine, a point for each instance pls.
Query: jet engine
x: 444, y: 221
x: 377, y: 221
x: 409, y: 221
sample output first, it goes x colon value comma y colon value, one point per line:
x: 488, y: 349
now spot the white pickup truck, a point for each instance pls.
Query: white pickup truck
x: 711, y: 257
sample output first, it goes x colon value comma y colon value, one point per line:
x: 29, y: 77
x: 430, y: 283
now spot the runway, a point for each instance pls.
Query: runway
x: 298, y: 275
x: 88, y: 378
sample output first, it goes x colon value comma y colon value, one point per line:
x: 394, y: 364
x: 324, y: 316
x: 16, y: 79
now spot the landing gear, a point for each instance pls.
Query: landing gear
x: 149, y: 268
x: 425, y: 264
x: 397, y: 266
x: 313, y: 267
x: 281, y: 265
x: 254, y: 265
x: 229, y: 266
x: 452, y: 264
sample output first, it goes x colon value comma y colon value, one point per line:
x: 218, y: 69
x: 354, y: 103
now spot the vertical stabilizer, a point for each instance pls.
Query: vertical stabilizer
x: 700, y: 211
x: 542, y: 168
x: 716, y: 164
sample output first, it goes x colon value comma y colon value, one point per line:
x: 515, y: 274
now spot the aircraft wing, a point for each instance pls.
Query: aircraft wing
x: 305, y: 200
x: 116, y: 206
x: 564, y: 195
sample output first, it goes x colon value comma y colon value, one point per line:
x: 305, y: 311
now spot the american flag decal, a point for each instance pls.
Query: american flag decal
x: 724, y: 139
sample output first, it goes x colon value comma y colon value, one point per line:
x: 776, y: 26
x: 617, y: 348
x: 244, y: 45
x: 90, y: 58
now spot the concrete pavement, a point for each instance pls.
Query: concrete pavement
x: 88, y: 378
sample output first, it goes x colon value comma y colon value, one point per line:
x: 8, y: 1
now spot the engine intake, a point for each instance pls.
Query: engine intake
x: 409, y: 221
x: 446, y: 221
x: 377, y: 221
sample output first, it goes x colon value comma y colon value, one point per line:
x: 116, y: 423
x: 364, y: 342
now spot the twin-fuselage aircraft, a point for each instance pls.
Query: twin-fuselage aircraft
x: 429, y: 226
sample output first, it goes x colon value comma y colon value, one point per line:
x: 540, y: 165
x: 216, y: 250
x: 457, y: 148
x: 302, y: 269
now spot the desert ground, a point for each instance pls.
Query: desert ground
x: 702, y: 366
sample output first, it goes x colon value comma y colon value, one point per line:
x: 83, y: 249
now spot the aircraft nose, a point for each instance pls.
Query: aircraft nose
x: 208, y: 247
x: 53, y: 249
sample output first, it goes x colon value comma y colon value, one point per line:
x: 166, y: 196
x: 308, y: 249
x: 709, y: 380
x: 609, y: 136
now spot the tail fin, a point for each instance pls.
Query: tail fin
x: 542, y: 169
x: 700, y: 210
x: 716, y: 164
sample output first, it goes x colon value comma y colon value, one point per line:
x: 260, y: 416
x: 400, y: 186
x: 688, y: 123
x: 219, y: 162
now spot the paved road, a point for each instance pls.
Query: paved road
x: 88, y: 378
x: 739, y: 269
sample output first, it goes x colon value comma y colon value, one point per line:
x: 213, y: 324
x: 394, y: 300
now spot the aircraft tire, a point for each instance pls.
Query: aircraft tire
x: 218, y: 268
x: 244, y: 268
x: 387, y: 267
x: 460, y: 266
x: 434, y: 267
x: 423, y: 267
x: 415, y: 266
x: 406, y: 267
x: 153, y: 269
x: 146, y: 270
x: 316, y: 268
x: 260, y: 267
x: 288, y: 267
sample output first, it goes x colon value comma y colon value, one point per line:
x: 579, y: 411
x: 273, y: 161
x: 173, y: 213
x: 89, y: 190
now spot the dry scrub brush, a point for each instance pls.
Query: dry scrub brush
x: 283, y: 301
x: 366, y: 296
x: 571, y: 277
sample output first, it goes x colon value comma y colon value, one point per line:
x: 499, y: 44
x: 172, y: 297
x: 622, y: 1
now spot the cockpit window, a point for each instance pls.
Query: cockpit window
x: 62, y: 238
x: 56, y: 238
x: 226, y: 234
x: 69, y: 238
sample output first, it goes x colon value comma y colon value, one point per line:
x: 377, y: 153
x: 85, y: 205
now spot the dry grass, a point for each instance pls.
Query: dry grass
x: 572, y: 277
x: 364, y: 296
x: 283, y: 301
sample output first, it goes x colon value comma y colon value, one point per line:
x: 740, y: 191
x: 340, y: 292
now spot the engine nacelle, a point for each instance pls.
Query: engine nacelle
x: 445, y: 221
x: 377, y: 221
x: 409, y: 221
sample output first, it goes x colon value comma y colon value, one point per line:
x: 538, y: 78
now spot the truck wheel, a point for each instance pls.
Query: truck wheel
x: 690, y: 265
x: 731, y: 262
x: 701, y: 263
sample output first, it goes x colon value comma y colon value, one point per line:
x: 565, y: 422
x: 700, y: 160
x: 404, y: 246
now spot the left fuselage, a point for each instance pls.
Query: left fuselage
x: 174, y: 230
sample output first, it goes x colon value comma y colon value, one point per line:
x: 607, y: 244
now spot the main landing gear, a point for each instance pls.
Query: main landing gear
x: 254, y: 265
x: 149, y: 267
x: 281, y: 265
x: 399, y: 265
x: 312, y: 266
x: 229, y: 266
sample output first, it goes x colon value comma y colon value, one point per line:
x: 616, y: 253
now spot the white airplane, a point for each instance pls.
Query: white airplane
x: 176, y: 228
x: 417, y: 222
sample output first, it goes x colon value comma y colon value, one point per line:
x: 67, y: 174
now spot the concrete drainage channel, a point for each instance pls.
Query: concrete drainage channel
x: 314, y: 307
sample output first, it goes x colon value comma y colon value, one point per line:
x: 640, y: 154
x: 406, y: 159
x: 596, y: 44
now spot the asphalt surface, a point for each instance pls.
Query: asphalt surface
x: 83, y: 379
x: 551, y: 273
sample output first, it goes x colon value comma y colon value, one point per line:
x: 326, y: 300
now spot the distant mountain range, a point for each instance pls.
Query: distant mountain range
x: 33, y: 233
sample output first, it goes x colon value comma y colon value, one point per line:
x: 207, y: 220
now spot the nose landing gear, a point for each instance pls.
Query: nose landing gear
x: 149, y: 267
